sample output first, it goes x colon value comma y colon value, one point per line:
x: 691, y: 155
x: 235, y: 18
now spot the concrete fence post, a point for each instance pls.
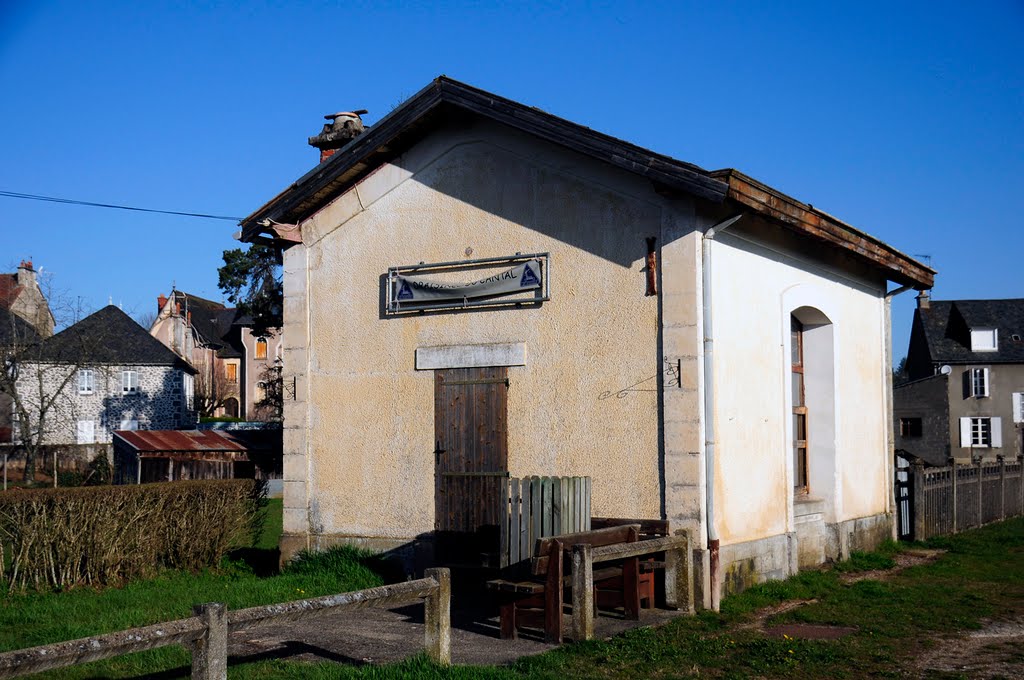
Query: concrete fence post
x: 437, y: 618
x: 981, y: 497
x: 952, y: 464
x: 1002, y: 487
x: 210, y: 652
x: 582, y: 592
x: 679, y: 576
x: 917, y: 498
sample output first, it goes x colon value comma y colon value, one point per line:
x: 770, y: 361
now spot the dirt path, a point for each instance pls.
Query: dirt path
x: 995, y: 651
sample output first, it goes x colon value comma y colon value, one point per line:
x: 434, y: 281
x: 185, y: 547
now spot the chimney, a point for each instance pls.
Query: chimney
x: 924, y: 300
x: 26, y: 273
x: 161, y: 300
x: 343, y: 128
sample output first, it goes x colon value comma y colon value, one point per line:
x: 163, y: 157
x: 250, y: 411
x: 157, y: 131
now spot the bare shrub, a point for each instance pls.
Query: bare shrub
x: 62, y: 538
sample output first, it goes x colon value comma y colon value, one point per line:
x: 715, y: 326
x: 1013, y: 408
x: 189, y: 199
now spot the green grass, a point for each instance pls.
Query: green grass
x: 40, y: 618
x: 981, y: 576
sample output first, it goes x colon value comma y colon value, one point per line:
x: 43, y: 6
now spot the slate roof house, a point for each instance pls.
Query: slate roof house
x: 966, y: 369
x: 102, y: 374
x: 231, y: 362
x: 522, y: 295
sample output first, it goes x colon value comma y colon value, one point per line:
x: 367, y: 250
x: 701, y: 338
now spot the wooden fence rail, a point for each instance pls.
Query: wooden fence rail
x: 538, y: 507
x: 206, y: 633
x: 950, y: 499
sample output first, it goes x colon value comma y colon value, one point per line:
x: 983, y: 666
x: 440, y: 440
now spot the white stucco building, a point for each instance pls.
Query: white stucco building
x: 707, y: 349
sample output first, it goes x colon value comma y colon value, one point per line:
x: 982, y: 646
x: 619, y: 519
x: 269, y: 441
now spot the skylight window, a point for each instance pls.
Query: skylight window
x: 983, y: 340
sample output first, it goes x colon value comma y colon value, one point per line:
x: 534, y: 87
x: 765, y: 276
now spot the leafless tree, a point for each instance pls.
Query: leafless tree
x: 35, y: 383
x: 211, y: 387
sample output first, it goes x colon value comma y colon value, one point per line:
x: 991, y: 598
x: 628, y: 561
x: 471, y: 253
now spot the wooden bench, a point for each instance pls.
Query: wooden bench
x: 649, y: 528
x: 678, y: 566
x: 536, y: 599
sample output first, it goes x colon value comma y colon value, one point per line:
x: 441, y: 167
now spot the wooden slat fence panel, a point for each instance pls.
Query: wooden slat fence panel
x: 951, y: 499
x: 537, y: 507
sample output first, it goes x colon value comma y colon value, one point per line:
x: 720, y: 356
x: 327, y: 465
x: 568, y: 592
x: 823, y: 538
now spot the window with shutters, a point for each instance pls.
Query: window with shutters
x: 261, y: 348
x: 981, y: 432
x: 979, y: 382
x: 231, y: 372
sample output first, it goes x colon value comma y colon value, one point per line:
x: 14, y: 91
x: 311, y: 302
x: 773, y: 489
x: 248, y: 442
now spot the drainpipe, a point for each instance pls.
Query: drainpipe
x: 890, y: 435
x: 709, y: 407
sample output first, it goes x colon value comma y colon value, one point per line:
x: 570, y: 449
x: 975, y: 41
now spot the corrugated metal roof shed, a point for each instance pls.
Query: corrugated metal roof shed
x: 173, y: 441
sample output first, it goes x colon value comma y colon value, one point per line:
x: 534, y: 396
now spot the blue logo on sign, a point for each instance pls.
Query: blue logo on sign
x: 405, y: 291
x: 529, y: 278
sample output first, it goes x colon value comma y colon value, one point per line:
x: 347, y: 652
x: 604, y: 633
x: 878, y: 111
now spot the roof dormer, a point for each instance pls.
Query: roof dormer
x: 984, y: 340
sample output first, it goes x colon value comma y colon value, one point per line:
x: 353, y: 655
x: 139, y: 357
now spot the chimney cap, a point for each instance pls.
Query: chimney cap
x: 25, y: 264
x: 349, y: 114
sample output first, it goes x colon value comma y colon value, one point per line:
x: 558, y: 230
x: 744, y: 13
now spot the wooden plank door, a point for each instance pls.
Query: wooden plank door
x: 471, y: 454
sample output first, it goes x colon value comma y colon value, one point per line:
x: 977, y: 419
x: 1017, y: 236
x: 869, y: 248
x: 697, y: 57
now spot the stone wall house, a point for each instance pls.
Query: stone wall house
x: 102, y: 374
x: 965, y: 398
x: 231, y: 362
x: 25, y: 317
x: 705, y: 348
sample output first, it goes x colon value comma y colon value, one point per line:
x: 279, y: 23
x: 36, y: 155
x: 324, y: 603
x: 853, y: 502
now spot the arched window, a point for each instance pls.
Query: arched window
x: 231, y: 407
x: 261, y: 348
x: 812, y: 392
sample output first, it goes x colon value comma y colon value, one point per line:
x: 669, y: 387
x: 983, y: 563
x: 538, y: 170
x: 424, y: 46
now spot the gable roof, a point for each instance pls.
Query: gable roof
x: 212, y: 321
x: 445, y: 99
x: 947, y: 325
x: 15, y: 330
x: 109, y: 337
x: 9, y: 289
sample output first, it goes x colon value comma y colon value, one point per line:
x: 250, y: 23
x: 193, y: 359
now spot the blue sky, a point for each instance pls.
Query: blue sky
x: 904, y: 119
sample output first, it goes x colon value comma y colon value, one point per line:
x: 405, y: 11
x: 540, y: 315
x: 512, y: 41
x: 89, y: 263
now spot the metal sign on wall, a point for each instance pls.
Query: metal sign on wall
x: 462, y: 284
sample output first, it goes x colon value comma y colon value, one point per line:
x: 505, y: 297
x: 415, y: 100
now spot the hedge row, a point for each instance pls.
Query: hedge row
x: 61, y: 538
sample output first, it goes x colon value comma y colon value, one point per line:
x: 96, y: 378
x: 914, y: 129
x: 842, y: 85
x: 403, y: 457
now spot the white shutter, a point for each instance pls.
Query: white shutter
x: 965, y: 433
x: 997, y: 432
x: 1018, y: 407
x: 985, y: 386
x: 86, y: 432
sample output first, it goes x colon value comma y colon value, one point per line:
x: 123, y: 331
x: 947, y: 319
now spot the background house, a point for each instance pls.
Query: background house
x: 102, y: 374
x: 705, y: 348
x: 965, y: 366
x: 25, y: 318
x: 232, y: 364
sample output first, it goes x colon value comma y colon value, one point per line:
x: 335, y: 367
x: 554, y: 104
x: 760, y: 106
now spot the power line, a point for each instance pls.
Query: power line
x: 69, y: 201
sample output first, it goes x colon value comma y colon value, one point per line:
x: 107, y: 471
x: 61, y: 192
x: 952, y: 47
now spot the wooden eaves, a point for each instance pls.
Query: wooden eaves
x: 446, y: 100
x: 809, y: 221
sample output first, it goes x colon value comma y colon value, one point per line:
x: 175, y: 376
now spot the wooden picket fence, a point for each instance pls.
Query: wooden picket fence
x: 538, y: 507
x: 945, y: 500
